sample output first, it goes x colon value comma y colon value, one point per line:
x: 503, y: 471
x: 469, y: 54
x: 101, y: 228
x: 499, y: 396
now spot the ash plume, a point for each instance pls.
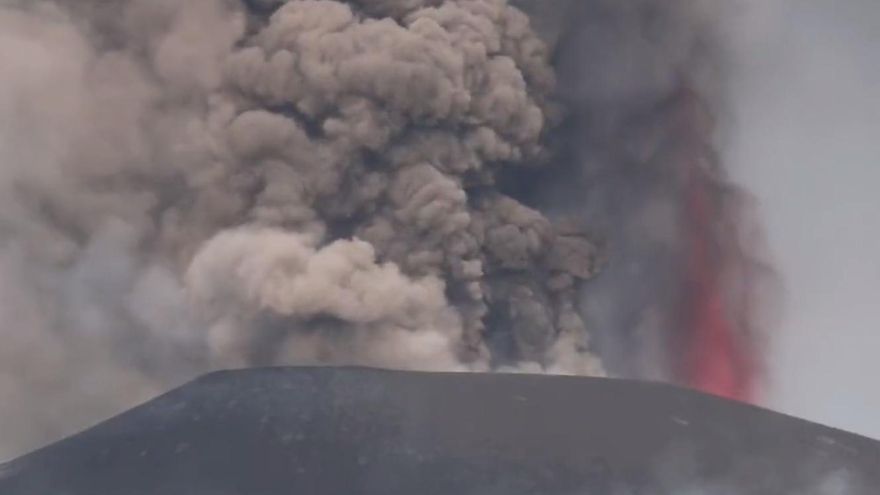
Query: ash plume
x: 421, y: 184
x: 684, y: 286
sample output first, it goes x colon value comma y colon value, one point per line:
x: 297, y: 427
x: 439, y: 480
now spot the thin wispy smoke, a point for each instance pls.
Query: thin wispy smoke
x: 804, y: 140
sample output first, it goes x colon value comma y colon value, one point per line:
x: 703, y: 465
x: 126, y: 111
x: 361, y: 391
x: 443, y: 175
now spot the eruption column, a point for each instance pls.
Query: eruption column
x: 716, y: 359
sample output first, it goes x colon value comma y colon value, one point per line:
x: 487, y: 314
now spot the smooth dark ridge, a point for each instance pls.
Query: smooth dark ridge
x: 359, y: 431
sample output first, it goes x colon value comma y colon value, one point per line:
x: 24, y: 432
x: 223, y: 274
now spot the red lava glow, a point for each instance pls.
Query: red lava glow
x: 717, y: 361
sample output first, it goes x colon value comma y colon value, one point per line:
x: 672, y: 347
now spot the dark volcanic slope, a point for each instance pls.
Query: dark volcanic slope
x: 356, y: 431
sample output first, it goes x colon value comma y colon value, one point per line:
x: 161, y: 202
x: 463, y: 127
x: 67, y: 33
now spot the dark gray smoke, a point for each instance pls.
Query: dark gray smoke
x: 406, y: 183
x: 644, y: 83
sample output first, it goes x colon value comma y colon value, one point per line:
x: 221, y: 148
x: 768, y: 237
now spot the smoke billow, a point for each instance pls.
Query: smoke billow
x: 409, y: 183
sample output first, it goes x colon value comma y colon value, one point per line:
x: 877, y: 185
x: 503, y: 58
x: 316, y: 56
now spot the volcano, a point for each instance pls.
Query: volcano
x: 362, y: 431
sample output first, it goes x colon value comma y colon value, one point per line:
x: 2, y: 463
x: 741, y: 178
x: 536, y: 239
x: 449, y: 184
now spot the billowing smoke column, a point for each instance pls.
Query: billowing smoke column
x: 212, y: 183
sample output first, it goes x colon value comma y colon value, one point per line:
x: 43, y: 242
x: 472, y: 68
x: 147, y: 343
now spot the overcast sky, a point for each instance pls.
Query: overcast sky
x: 806, y: 141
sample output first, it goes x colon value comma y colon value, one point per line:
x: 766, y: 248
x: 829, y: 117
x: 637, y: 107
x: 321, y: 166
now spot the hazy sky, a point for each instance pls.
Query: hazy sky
x: 807, y: 143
